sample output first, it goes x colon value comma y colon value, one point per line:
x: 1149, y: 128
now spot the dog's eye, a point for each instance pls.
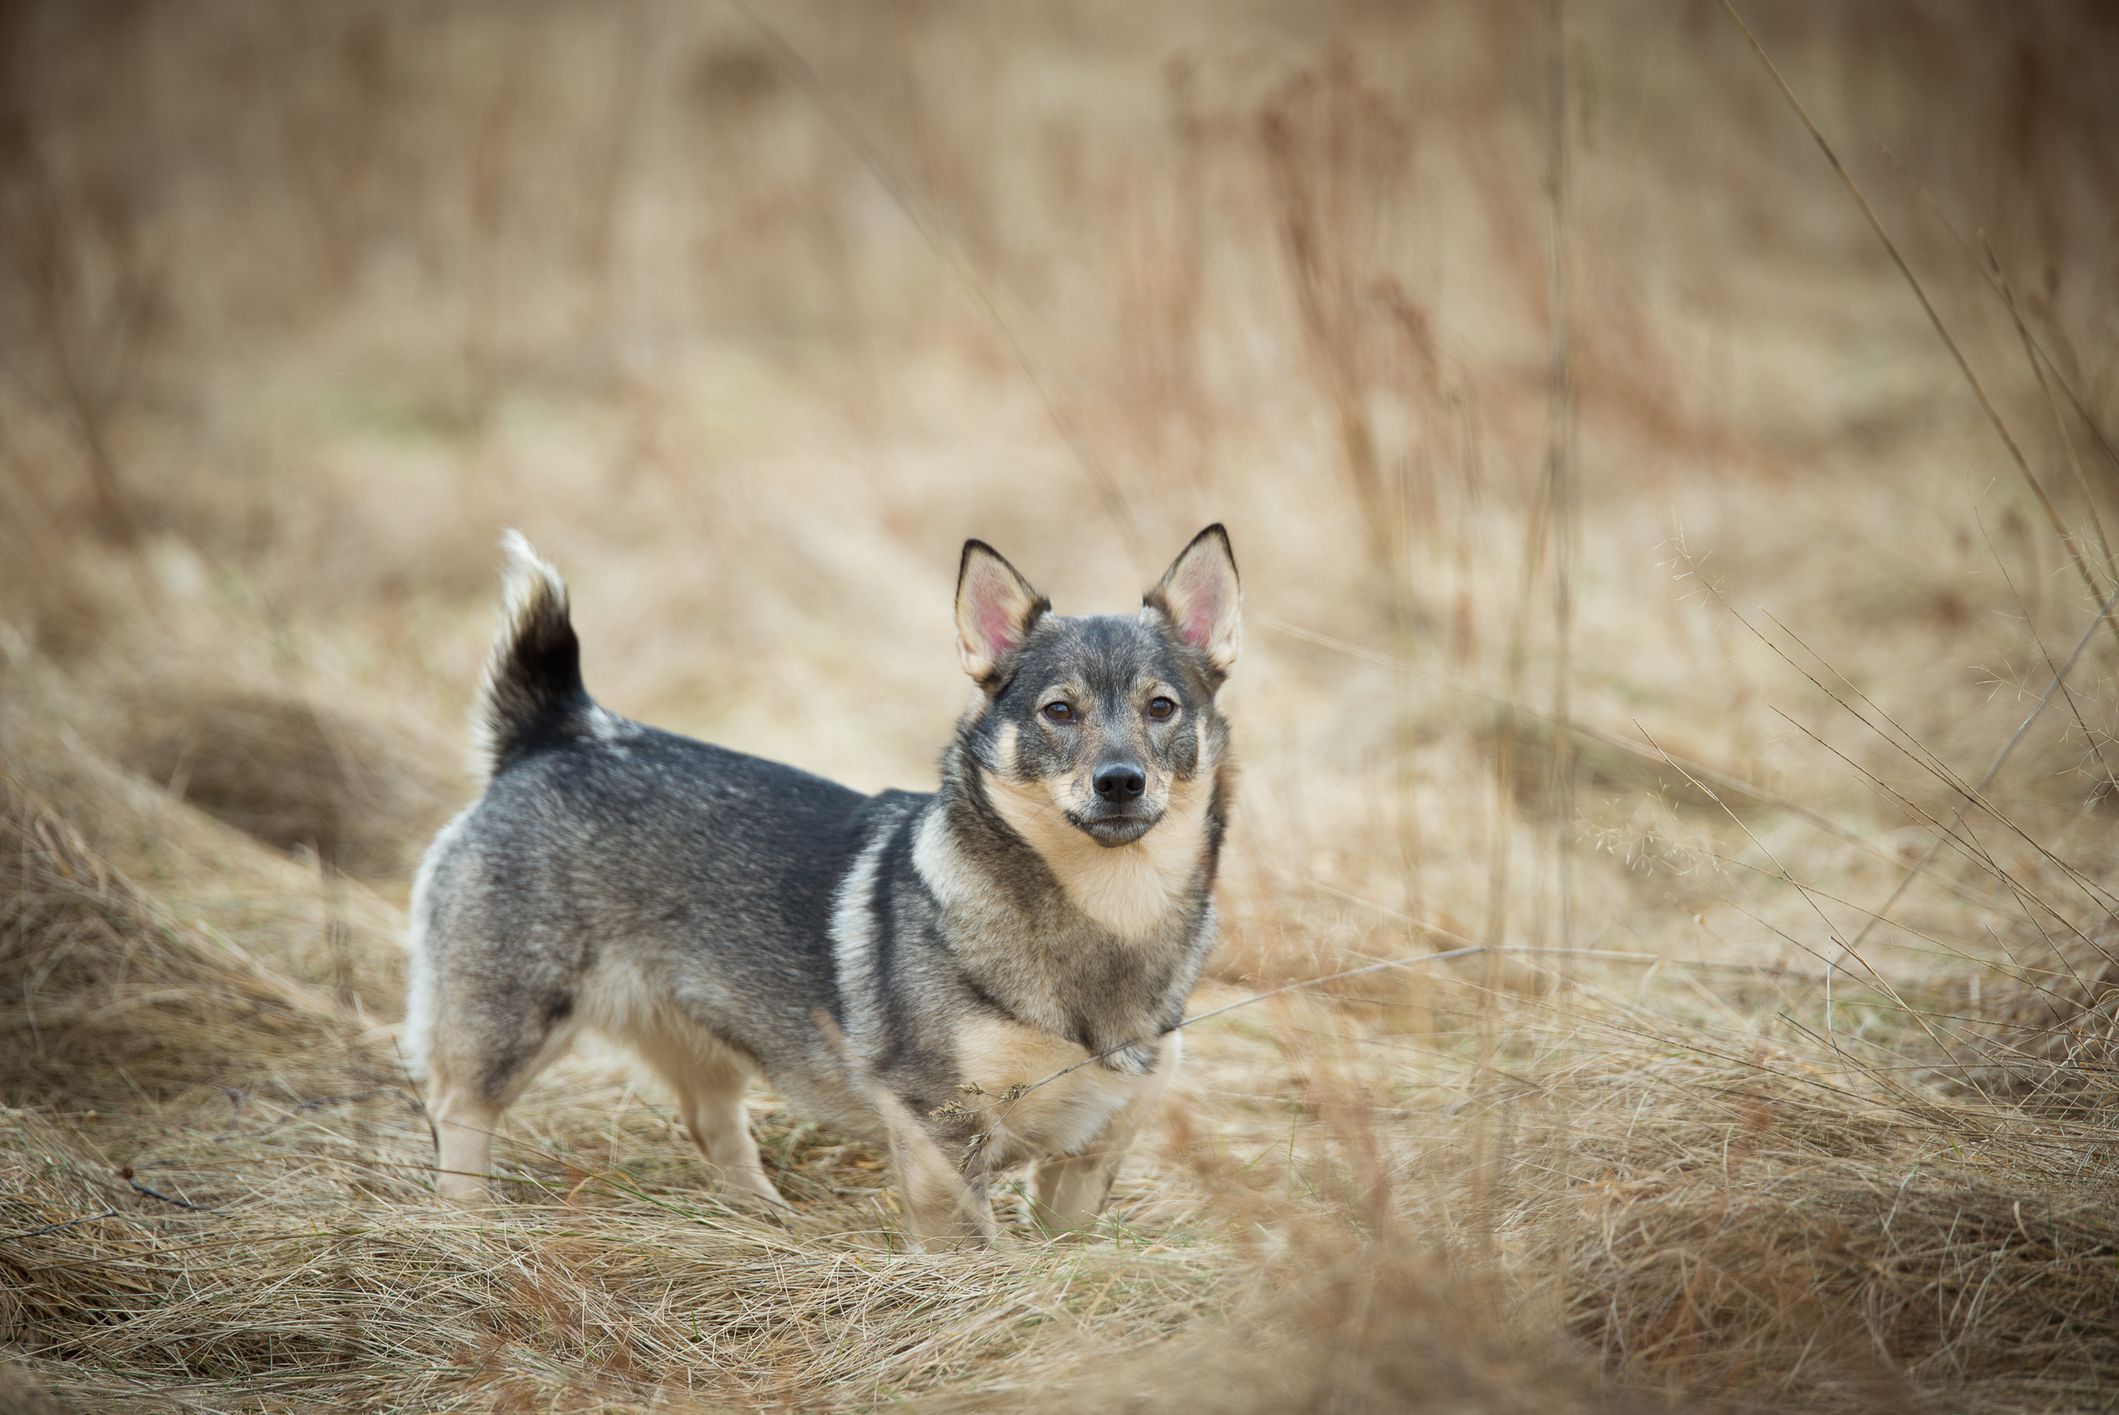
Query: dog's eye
x: 1058, y: 711
x: 1161, y: 709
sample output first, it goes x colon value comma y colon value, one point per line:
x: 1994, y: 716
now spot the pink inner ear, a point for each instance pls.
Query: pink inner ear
x: 995, y: 628
x: 1200, y: 606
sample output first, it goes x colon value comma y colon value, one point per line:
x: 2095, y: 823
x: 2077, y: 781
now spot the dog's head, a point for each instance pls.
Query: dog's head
x: 1104, y: 722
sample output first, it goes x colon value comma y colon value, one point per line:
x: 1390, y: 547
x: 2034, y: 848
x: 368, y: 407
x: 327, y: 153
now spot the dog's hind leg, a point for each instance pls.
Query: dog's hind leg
x: 714, y: 1113
x: 484, y: 1051
x: 710, y: 1079
x: 463, y: 1140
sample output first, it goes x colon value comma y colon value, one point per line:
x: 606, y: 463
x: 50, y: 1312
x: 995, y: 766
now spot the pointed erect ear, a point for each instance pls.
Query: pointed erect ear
x: 995, y: 609
x: 1202, y: 598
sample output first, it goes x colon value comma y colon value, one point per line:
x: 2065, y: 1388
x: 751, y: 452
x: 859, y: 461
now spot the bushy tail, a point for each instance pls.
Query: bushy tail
x: 533, y: 694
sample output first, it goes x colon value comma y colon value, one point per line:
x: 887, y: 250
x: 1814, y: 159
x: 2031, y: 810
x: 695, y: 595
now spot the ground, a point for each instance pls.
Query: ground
x: 1653, y: 573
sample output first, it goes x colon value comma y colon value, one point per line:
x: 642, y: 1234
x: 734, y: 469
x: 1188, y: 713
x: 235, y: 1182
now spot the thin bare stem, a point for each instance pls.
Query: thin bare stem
x: 1994, y: 767
x: 1729, y: 784
x: 2067, y: 386
x: 1110, y: 495
x: 1559, y: 464
x: 1942, y: 331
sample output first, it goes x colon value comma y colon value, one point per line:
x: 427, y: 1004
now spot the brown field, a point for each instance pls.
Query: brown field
x: 1643, y: 587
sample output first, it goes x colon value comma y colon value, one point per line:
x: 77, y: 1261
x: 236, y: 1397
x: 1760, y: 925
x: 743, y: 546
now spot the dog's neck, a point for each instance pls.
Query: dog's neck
x: 1100, y: 946
x: 1016, y: 836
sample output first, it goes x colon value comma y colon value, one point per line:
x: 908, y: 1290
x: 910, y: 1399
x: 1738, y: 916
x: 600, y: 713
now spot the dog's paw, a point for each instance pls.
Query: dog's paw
x: 1134, y: 1059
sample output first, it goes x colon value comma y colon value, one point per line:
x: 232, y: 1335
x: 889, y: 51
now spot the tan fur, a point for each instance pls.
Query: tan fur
x: 463, y: 1136
x: 1068, y: 1191
x: 1062, y: 1116
x: 1128, y: 889
x: 709, y: 1079
x: 942, y: 1208
x: 463, y: 1118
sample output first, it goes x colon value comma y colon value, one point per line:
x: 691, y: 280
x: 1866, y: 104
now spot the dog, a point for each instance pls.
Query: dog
x: 981, y: 977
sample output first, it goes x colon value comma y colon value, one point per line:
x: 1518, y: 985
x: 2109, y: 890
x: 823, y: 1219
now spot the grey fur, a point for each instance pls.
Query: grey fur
x: 911, y: 967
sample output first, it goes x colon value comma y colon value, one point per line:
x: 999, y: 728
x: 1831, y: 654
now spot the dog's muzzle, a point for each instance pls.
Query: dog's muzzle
x: 1120, y: 815
x: 1112, y: 828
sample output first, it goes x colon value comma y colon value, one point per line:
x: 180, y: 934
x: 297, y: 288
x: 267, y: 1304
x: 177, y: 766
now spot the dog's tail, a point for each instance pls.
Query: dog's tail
x: 533, y: 694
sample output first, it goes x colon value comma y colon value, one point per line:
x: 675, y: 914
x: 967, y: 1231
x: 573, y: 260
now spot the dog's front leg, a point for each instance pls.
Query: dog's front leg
x: 945, y: 1200
x: 945, y: 1211
x: 1067, y: 1192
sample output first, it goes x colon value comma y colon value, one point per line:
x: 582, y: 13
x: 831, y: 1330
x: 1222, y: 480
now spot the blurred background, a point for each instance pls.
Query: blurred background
x: 1656, y: 555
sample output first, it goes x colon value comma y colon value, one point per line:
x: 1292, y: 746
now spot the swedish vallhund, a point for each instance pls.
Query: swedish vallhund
x: 980, y: 977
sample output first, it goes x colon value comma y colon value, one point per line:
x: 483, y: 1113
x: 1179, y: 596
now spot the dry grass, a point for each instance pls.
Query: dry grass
x: 749, y: 318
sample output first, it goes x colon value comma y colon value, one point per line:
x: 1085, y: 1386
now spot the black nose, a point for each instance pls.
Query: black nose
x: 1121, y: 782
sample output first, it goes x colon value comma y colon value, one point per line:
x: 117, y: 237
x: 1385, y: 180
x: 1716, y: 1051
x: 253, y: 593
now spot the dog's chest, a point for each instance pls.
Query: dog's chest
x: 1014, y: 1093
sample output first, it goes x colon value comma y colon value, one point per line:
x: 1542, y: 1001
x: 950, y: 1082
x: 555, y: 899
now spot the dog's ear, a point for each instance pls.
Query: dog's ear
x: 1202, y: 598
x: 995, y: 611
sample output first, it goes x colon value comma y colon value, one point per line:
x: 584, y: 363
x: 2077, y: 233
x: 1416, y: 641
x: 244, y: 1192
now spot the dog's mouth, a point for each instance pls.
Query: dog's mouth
x: 1115, y: 829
